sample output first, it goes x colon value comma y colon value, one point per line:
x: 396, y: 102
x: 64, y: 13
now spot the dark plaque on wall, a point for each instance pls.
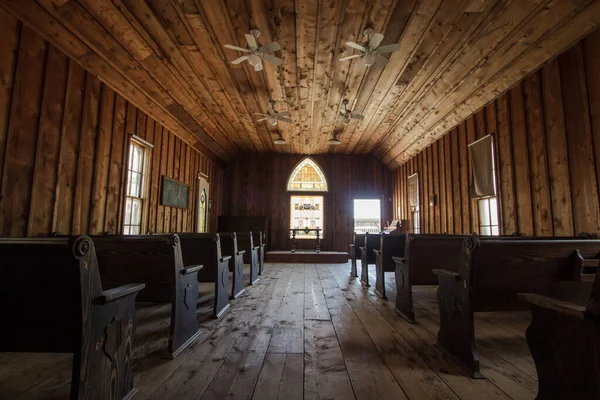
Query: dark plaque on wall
x: 174, y: 194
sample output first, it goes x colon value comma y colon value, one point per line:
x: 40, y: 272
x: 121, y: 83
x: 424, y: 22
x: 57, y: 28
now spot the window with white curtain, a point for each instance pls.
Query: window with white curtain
x: 483, y: 184
x: 136, y: 187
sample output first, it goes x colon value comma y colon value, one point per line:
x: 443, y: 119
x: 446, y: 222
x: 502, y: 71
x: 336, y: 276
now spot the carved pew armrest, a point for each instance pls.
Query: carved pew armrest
x: 225, y: 258
x: 378, y: 252
x: 241, y: 252
x: 562, y: 307
x: 399, y: 259
x: 119, y: 292
x: 191, y: 269
x: 445, y: 273
x: 255, y: 248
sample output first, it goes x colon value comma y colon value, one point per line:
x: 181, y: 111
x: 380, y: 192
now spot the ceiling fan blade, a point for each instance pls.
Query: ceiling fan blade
x: 262, y: 119
x: 356, y: 116
x: 239, y: 60
x: 350, y: 57
x: 355, y: 46
x: 375, y: 40
x: 381, y: 61
x: 283, y: 119
x: 389, y: 48
x: 271, y: 47
x: 272, y: 59
x: 251, y: 41
x: 237, y: 48
x: 258, y: 67
x: 283, y: 114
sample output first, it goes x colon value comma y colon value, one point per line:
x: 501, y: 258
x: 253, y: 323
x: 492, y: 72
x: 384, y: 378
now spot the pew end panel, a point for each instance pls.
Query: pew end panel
x: 456, y: 336
x: 367, y: 254
x: 358, y: 240
x: 229, y: 247
x: 261, y: 252
x: 353, y: 267
x: 564, y: 340
x: 379, y: 275
x: 251, y: 255
x: 404, y: 299
x: 80, y: 315
x: 390, y: 245
x: 364, y: 267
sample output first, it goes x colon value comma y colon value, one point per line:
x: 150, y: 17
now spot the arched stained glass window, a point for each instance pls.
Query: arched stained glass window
x: 307, y: 177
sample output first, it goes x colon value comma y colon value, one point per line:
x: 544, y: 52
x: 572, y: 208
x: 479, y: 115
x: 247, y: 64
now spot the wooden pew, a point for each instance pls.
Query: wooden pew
x: 246, y: 242
x: 155, y: 260
x: 564, y: 337
x: 358, y: 240
x: 423, y: 253
x: 367, y: 255
x: 389, y: 246
x: 229, y: 247
x: 51, y: 299
x: 490, y: 275
x: 205, y: 249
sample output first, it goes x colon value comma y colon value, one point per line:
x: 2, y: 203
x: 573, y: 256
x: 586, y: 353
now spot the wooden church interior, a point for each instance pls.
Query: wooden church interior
x: 178, y: 199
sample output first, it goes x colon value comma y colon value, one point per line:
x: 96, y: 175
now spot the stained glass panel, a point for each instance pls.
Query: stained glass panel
x: 307, y: 177
x: 306, y: 212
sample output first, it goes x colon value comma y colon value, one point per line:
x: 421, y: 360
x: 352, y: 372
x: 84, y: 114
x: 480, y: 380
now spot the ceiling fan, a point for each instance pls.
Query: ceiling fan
x: 348, y: 115
x: 370, y: 52
x: 273, y: 117
x: 257, y: 54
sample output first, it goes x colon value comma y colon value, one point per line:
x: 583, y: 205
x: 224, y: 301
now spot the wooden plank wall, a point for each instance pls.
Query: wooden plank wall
x: 63, y: 141
x: 547, y: 140
x: 258, y: 187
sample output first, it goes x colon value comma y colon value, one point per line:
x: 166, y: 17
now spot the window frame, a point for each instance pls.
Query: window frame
x: 142, y: 199
x: 477, y: 200
x: 309, y: 194
x: 415, y: 211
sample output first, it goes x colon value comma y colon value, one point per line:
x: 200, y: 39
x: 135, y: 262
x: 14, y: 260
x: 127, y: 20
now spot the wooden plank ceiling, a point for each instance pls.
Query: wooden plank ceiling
x: 168, y: 58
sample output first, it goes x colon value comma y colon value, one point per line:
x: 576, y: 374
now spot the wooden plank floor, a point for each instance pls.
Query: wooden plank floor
x: 304, y: 331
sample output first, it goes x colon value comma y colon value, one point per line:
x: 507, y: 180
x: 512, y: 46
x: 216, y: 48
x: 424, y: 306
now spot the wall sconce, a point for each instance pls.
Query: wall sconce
x: 432, y: 200
x: 209, y: 204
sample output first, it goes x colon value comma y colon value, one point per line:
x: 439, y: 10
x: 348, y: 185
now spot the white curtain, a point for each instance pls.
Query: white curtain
x: 482, y: 168
x: 413, y: 190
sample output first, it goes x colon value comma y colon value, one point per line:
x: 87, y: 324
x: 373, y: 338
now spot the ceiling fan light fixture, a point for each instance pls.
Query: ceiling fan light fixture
x: 334, y: 141
x: 345, y: 120
x: 273, y: 121
x: 280, y: 140
x: 368, y: 59
x: 253, y: 59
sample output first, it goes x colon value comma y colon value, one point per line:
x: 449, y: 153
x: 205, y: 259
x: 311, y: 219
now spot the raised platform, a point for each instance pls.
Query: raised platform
x: 307, y: 257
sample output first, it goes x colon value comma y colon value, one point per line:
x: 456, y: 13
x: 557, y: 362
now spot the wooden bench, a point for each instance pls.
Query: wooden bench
x: 490, y: 275
x: 205, y: 249
x: 229, y: 247
x: 358, y: 240
x: 425, y: 252
x: 155, y: 260
x: 564, y: 337
x: 246, y: 242
x: 389, y: 246
x: 367, y: 255
x: 422, y: 254
x: 51, y: 299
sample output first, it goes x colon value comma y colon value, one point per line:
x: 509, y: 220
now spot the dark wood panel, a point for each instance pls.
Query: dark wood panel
x: 546, y: 135
x: 66, y: 139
